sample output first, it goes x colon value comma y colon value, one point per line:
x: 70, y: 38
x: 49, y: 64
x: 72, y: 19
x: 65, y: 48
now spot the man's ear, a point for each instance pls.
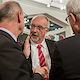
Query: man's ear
x: 47, y: 29
x: 73, y: 17
x: 19, y: 17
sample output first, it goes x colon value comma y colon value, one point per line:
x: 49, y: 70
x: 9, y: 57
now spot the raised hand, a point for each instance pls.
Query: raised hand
x: 27, y: 47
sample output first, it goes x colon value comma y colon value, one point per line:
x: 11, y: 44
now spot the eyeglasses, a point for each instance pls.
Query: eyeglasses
x: 38, y: 27
x: 67, y: 19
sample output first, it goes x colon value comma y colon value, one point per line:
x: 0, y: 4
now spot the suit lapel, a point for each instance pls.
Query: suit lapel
x: 49, y: 47
x: 30, y: 59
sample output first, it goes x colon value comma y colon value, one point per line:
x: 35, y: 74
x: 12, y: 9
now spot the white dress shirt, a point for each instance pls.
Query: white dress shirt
x: 34, y: 54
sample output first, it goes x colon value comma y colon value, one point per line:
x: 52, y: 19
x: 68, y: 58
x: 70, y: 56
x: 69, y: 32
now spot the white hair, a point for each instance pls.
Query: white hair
x: 73, y: 6
x: 43, y: 16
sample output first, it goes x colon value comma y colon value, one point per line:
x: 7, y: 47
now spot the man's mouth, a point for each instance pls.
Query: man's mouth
x: 34, y: 35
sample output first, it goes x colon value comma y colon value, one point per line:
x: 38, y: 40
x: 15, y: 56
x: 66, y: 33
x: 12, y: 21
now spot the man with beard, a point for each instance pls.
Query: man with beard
x: 39, y: 27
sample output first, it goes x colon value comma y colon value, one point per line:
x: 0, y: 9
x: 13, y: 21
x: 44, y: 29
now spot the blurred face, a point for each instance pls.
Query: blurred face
x: 39, y: 27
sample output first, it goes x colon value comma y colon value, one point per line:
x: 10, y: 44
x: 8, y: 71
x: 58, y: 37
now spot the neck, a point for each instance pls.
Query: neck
x: 10, y: 27
x: 39, y: 42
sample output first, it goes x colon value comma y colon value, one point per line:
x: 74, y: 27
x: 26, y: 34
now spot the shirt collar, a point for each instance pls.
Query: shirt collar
x: 34, y: 44
x: 11, y: 34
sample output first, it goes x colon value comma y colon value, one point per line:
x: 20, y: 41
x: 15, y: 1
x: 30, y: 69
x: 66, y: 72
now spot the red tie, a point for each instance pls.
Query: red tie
x: 41, y: 58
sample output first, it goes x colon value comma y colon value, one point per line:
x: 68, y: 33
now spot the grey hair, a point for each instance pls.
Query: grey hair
x: 73, y: 6
x: 43, y: 16
x: 9, y: 9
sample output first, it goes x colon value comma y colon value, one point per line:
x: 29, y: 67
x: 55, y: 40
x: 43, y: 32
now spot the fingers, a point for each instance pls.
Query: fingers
x: 27, y: 40
x: 38, y: 66
x: 42, y: 70
x: 33, y: 69
x: 27, y: 47
x: 46, y: 72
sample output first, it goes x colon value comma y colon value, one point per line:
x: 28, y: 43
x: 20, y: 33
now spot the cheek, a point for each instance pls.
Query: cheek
x: 23, y: 22
x: 31, y: 31
x: 42, y: 34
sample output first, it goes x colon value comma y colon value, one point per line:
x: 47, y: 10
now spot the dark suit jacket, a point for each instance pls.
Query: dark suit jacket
x: 66, y: 59
x: 13, y: 64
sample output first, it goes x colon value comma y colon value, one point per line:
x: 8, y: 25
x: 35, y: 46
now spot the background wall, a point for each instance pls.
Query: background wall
x: 31, y: 8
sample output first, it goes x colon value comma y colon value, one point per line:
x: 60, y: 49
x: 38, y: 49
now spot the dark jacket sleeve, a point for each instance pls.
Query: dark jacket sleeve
x: 13, y: 64
x: 56, y: 67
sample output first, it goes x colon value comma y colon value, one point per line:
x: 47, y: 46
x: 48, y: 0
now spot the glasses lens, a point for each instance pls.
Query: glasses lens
x: 38, y: 27
x: 32, y: 26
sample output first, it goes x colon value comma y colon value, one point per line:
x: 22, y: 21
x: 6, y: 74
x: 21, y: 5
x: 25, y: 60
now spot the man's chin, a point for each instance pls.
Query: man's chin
x: 34, y: 39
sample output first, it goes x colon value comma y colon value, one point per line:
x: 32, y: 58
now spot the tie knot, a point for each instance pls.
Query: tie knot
x: 39, y: 46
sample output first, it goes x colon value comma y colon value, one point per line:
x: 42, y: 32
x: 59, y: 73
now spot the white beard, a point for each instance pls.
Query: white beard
x: 35, y: 39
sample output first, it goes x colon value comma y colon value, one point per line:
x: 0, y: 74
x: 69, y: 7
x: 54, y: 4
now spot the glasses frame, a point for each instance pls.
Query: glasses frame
x: 39, y: 27
x: 69, y: 16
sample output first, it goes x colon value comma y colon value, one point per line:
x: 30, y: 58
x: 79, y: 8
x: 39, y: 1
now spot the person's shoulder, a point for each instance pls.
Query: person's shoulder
x: 3, y: 41
x: 47, y: 40
x: 3, y: 38
x: 67, y: 40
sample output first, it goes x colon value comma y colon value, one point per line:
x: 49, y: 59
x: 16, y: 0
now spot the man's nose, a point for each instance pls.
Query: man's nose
x: 35, y: 29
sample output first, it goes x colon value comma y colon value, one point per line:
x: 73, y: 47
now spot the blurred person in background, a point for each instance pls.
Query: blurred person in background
x: 50, y: 37
x: 14, y: 64
x: 61, y: 37
x: 66, y: 56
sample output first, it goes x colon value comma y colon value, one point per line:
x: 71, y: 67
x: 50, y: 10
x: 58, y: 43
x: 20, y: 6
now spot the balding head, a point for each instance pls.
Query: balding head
x: 8, y: 10
x: 11, y: 17
x: 42, y: 17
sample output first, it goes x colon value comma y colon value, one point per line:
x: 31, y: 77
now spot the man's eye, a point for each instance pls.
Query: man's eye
x: 40, y: 27
x: 33, y: 25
